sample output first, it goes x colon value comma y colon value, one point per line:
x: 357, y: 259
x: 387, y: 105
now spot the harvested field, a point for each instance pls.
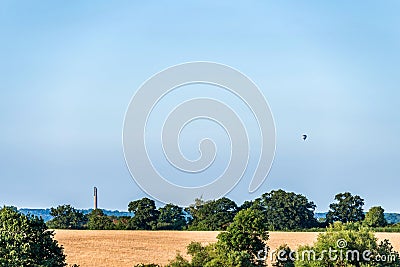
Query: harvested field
x: 127, y: 248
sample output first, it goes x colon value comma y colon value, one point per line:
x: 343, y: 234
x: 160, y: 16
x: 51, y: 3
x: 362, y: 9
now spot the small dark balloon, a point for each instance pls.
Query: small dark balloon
x: 304, y: 136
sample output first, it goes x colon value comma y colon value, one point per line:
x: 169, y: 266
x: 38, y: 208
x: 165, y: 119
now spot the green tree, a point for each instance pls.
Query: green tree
x: 286, y: 210
x: 246, y: 235
x: 375, y: 217
x: 348, y: 208
x: 25, y: 241
x: 171, y: 217
x: 145, y: 214
x: 200, y: 254
x: 241, y: 245
x: 212, y: 215
x: 66, y: 217
x: 97, y: 220
x: 247, y: 204
x: 345, y: 245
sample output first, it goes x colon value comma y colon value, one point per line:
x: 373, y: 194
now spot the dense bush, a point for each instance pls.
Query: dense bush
x: 97, y: 220
x: 344, y: 245
x: 145, y: 214
x: 26, y: 241
x: 211, y: 215
x: 171, y: 217
x: 239, y: 245
x: 375, y: 217
x: 286, y: 210
x: 282, y: 257
x: 66, y: 217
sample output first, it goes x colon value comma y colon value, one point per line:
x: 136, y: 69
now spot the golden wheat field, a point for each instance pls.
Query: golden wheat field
x: 127, y: 248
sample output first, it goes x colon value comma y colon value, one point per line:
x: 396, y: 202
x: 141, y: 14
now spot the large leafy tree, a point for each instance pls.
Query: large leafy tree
x: 145, y: 214
x: 25, y: 241
x: 97, y: 220
x: 247, y: 235
x: 171, y: 217
x: 348, y: 208
x: 66, y: 217
x: 286, y: 210
x: 212, y: 215
x: 241, y: 245
x: 375, y: 217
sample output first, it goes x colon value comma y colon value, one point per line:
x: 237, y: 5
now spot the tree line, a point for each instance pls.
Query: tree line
x: 282, y: 211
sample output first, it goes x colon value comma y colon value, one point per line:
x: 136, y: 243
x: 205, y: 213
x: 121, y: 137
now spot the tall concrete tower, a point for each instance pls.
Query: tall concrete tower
x: 95, y: 198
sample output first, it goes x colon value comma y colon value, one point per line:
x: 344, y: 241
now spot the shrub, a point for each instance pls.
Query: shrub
x: 97, y: 220
x: 26, y: 241
x: 179, y: 261
x: 344, y: 245
x: 283, y: 257
x: 66, y: 217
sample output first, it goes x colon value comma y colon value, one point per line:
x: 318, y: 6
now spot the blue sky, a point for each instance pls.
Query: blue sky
x: 69, y: 69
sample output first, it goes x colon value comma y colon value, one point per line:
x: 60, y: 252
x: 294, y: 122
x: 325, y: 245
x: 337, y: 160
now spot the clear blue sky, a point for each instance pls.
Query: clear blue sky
x: 69, y: 68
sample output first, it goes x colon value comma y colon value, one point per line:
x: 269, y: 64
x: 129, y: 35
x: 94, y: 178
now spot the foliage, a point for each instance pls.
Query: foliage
x: 200, y: 255
x: 25, y: 241
x: 97, y: 220
x: 386, y: 249
x: 66, y: 217
x: 348, y: 208
x: 247, y: 233
x: 146, y: 214
x: 121, y: 222
x: 344, y: 245
x: 171, y: 217
x: 286, y: 210
x: 239, y: 246
x: 179, y: 261
x: 283, y: 257
x: 375, y: 217
x: 212, y: 215
x: 247, y: 204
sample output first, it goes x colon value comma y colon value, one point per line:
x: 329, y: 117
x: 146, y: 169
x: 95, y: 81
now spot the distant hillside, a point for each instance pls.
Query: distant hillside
x: 45, y: 213
x: 391, y: 218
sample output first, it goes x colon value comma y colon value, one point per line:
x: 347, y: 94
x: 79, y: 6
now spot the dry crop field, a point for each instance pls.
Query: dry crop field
x: 127, y: 248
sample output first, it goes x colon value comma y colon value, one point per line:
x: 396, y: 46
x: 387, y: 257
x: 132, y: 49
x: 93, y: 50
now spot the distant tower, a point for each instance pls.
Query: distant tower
x: 95, y: 198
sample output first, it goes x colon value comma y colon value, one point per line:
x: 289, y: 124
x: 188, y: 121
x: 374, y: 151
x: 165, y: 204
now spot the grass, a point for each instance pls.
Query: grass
x: 127, y: 248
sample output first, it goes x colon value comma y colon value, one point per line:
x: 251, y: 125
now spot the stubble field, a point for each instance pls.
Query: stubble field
x: 127, y: 248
